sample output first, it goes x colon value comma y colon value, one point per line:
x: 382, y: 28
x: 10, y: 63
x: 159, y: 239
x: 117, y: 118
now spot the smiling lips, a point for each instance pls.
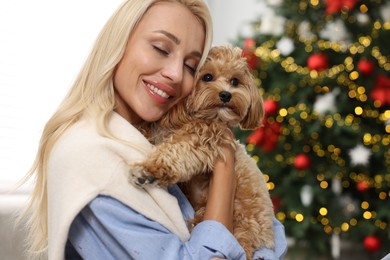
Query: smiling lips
x: 157, y: 91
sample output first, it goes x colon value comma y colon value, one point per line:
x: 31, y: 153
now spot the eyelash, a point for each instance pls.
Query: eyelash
x: 161, y: 51
x: 166, y: 53
x: 191, y: 69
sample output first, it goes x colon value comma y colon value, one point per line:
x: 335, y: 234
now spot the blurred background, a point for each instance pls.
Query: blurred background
x: 322, y: 67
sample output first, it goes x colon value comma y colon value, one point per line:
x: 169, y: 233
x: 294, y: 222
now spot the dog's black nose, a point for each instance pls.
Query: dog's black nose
x: 225, y: 96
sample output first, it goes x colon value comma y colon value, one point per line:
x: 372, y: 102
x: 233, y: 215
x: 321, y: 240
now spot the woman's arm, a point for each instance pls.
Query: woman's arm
x: 220, y: 206
x: 220, y: 201
x: 107, y: 229
x: 222, y: 188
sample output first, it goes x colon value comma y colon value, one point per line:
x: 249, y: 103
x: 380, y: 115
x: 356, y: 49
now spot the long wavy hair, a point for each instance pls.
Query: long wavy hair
x: 91, y: 94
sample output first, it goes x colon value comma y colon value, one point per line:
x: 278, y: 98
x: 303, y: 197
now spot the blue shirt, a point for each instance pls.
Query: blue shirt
x: 107, y: 229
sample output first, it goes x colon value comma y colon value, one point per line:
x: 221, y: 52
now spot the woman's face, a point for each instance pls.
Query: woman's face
x: 157, y: 69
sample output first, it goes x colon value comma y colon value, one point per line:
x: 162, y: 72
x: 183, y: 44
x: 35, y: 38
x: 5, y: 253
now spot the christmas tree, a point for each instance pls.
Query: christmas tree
x: 324, y: 72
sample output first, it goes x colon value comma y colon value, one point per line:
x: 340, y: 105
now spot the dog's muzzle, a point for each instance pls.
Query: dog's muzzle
x: 225, y: 96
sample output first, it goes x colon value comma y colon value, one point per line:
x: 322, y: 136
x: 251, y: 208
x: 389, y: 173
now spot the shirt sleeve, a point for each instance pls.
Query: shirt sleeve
x: 280, y: 245
x: 107, y: 229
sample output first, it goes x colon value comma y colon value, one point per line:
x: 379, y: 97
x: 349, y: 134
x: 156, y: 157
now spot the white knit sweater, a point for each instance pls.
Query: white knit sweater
x: 83, y: 164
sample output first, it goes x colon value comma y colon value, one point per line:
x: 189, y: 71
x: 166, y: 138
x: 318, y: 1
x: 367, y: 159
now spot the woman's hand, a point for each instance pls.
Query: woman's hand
x: 222, y: 191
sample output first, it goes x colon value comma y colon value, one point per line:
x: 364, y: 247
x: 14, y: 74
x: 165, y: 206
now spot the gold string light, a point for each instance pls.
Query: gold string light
x: 345, y: 74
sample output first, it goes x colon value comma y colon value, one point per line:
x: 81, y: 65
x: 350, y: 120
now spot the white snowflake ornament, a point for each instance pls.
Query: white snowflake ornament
x: 285, y: 45
x: 362, y: 19
x: 337, y: 186
x: 306, y: 195
x: 385, y: 12
x: 348, y: 205
x: 335, y: 245
x: 326, y: 103
x: 272, y: 24
x: 360, y: 155
x: 304, y: 31
x: 336, y: 32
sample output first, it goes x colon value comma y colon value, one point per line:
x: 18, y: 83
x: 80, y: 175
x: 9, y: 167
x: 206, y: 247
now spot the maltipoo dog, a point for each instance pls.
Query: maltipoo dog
x: 190, y: 136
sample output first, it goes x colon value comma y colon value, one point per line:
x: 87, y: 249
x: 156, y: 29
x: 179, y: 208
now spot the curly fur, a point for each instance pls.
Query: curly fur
x: 188, y: 141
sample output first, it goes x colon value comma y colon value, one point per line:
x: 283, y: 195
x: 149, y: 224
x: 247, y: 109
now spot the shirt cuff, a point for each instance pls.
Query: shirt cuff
x: 280, y: 245
x: 216, y: 237
x: 265, y: 254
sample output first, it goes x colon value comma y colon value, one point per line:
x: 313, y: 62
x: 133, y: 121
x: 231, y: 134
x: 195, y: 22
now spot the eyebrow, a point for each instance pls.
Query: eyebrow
x: 177, y: 41
x: 170, y: 36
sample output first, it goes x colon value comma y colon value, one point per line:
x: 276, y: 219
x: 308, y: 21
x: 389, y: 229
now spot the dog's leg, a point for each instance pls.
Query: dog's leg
x: 169, y: 163
x: 185, y: 154
x: 253, y: 210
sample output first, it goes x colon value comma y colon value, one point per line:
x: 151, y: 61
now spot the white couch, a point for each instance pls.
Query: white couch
x: 12, y: 236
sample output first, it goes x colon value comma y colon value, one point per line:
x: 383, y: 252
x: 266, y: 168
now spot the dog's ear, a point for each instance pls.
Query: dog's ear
x: 175, y: 117
x: 255, y: 114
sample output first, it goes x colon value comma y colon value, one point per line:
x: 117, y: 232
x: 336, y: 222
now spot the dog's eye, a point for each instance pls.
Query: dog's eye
x: 207, y: 77
x: 234, y: 82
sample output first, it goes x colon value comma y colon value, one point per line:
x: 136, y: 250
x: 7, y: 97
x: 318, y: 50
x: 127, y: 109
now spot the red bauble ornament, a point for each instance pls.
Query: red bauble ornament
x: 256, y: 137
x: 266, y: 136
x: 381, y: 90
x: 362, y: 186
x: 372, y: 243
x: 366, y: 67
x: 248, y: 52
x: 270, y: 107
x: 251, y: 58
x: 276, y: 201
x: 249, y: 43
x: 335, y: 6
x: 318, y: 61
x: 302, y: 161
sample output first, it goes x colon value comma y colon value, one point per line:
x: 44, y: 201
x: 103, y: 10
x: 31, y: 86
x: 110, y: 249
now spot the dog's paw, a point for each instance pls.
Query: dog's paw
x: 139, y: 176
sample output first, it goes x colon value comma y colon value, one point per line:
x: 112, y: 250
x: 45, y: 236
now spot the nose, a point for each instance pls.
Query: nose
x: 225, y: 96
x: 174, y: 71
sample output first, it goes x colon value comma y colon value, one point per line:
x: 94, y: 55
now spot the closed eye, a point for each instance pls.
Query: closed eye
x: 191, y: 69
x: 161, y: 51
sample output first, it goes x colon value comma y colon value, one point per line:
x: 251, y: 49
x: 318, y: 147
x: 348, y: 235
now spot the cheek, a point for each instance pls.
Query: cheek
x: 120, y: 82
x: 187, y: 87
x: 122, y: 77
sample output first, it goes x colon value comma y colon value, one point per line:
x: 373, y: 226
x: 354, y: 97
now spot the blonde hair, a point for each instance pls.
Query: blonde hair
x: 93, y: 94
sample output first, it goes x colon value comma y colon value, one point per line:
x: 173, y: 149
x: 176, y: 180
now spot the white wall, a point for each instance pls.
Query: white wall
x: 42, y: 46
x: 232, y: 17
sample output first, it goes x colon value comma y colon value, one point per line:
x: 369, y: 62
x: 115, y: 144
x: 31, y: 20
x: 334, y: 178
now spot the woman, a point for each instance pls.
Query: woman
x: 142, y: 64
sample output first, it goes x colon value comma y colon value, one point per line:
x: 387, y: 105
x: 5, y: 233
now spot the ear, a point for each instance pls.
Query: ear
x: 255, y: 114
